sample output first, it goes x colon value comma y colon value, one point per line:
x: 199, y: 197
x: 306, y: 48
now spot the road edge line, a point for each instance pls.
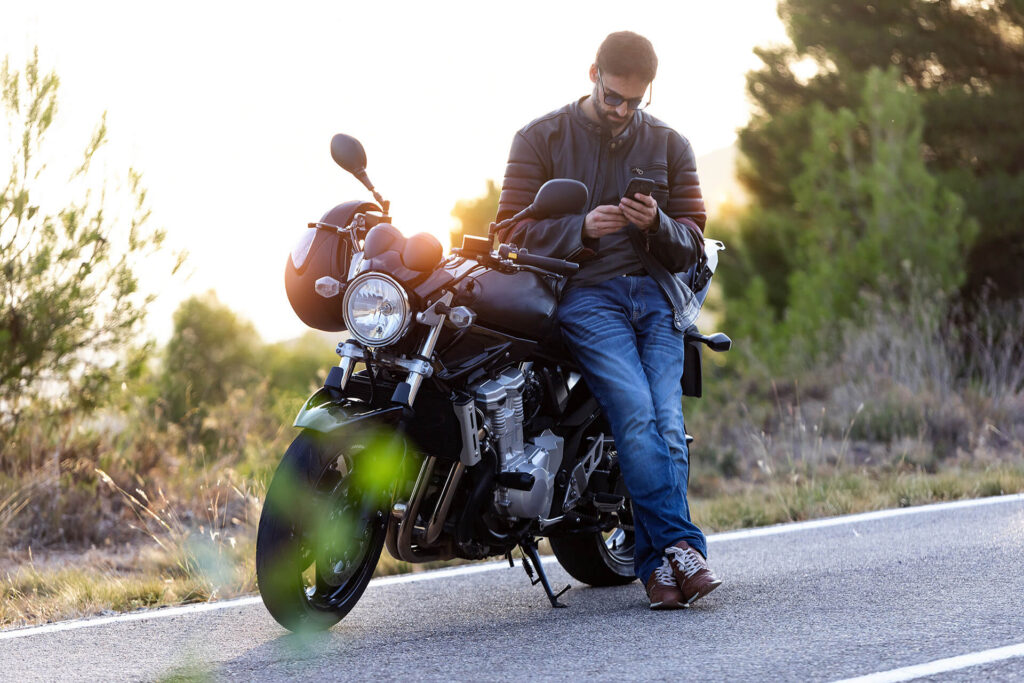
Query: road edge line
x: 858, y: 517
x: 739, y: 534
x: 938, y: 666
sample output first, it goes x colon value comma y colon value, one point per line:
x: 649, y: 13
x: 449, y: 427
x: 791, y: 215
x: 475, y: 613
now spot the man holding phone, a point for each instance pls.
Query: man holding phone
x: 624, y: 312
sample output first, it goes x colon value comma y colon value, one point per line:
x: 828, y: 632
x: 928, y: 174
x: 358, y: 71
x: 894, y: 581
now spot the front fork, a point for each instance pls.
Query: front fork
x: 418, y: 367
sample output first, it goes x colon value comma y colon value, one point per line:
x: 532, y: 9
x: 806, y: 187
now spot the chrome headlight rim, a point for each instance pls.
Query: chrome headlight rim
x: 353, y: 285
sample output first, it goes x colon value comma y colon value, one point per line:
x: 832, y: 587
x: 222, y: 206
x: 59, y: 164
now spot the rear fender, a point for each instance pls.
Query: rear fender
x: 323, y: 413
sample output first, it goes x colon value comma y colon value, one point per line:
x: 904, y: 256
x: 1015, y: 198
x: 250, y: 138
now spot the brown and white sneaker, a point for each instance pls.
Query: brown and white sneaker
x: 662, y: 588
x: 691, y: 571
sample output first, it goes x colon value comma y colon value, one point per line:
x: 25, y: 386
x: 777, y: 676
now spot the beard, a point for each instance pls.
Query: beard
x: 609, y: 122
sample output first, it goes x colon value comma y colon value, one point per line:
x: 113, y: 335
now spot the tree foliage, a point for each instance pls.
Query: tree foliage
x: 70, y: 305
x: 475, y: 215
x: 965, y: 58
x: 299, y: 365
x: 872, y: 223
x: 211, y: 351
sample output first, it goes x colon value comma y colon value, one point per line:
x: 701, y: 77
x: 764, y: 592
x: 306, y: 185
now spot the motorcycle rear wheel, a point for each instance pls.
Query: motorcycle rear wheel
x: 319, y: 538
x: 596, y: 559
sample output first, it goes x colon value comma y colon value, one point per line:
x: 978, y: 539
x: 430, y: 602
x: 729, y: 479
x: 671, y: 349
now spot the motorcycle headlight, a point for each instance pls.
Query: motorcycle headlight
x: 377, y: 311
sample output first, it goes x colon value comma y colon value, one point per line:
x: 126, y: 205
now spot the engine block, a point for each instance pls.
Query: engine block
x: 501, y: 401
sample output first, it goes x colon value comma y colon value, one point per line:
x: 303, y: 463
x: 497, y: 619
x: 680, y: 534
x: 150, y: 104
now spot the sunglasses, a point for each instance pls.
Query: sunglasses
x: 614, y: 99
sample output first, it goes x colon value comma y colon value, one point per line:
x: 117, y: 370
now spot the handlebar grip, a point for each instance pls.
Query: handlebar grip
x: 525, y: 258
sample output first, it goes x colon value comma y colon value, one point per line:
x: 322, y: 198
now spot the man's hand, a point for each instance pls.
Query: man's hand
x: 641, y: 211
x: 604, y: 220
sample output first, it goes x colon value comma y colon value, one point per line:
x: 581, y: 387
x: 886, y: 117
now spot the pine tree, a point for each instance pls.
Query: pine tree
x: 966, y: 61
x: 870, y: 223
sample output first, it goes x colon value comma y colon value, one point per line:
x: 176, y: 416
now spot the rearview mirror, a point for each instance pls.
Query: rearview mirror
x: 559, y: 196
x: 719, y: 342
x: 348, y: 153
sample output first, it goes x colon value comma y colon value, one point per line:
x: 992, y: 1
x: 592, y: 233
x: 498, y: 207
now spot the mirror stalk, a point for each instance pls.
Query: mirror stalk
x: 348, y: 153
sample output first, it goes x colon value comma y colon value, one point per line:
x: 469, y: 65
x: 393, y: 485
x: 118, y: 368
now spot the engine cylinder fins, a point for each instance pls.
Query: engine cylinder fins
x: 514, y: 382
x: 498, y: 422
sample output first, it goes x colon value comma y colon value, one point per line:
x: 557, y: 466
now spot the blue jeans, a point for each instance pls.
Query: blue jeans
x: 620, y: 332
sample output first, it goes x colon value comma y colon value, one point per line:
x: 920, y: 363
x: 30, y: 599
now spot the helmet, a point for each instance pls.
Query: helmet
x: 317, y: 268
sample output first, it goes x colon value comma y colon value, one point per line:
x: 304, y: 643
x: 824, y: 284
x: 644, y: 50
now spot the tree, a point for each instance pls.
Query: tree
x: 965, y: 59
x: 298, y: 365
x: 870, y: 224
x: 211, y: 351
x: 882, y: 225
x: 70, y: 306
x: 475, y: 215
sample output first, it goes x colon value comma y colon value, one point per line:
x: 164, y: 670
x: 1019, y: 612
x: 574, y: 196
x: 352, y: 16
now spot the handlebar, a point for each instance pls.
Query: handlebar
x: 525, y: 258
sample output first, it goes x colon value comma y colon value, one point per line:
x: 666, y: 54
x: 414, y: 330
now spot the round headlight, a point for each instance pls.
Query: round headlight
x: 377, y: 311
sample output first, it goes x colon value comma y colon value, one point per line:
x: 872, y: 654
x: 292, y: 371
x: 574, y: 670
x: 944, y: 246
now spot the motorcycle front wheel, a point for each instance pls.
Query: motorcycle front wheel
x: 320, y: 534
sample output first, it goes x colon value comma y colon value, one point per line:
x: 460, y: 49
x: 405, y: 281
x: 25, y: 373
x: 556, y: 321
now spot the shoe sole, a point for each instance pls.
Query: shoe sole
x: 704, y: 591
x: 665, y: 606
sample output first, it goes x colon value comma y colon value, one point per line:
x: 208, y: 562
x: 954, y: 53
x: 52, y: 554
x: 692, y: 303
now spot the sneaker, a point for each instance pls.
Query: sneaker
x: 691, y: 571
x: 662, y: 588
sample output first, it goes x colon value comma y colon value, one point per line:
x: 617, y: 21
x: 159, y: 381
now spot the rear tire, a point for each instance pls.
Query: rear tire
x: 596, y: 560
x: 319, y: 538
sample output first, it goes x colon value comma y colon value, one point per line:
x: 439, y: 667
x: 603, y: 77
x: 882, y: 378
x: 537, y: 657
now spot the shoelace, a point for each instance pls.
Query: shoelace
x: 664, y: 575
x: 687, y: 560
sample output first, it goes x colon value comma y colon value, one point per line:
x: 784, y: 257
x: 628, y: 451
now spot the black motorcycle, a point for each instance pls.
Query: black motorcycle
x: 456, y: 424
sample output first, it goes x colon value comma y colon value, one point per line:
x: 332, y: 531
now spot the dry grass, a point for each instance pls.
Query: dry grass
x: 189, y: 558
x: 96, y: 583
x: 798, y: 498
x: 35, y: 595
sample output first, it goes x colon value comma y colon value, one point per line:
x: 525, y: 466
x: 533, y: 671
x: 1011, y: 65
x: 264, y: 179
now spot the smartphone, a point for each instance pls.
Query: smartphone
x: 639, y: 185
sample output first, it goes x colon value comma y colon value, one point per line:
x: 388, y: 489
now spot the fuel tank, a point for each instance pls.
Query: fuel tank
x: 520, y: 303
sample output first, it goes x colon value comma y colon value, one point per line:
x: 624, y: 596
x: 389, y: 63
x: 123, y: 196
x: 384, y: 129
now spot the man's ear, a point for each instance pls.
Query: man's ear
x: 593, y: 73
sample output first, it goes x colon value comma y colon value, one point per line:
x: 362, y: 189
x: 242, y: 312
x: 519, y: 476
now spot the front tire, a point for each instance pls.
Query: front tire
x: 319, y: 536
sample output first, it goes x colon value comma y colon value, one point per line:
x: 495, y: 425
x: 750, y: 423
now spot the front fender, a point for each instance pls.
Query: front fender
x: 325, y: 414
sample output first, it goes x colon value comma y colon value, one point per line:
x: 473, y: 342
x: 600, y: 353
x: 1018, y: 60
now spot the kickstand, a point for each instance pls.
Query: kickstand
x: 530, y: 557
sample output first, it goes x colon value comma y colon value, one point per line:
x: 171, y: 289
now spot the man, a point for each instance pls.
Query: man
x: 624, y: 312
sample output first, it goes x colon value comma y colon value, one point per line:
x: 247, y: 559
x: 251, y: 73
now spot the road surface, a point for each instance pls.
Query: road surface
x: 940, y: 588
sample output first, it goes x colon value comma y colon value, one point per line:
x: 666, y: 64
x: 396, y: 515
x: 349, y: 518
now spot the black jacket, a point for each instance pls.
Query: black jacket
x: 566, y: 144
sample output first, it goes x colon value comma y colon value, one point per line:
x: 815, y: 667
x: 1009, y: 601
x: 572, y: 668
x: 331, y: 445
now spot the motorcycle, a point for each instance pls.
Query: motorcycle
x: 455, y: 425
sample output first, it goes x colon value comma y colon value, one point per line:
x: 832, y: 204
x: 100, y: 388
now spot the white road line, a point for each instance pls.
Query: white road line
x: 939, y: 666
x: 862, y: 517
x: 133, y: 616
x: 162, y: 613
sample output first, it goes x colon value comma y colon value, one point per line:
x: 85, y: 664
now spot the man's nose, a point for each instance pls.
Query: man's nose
x: 622, y: 110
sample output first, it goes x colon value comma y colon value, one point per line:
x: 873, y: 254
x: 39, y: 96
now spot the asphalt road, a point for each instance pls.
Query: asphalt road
x: 800, y: 603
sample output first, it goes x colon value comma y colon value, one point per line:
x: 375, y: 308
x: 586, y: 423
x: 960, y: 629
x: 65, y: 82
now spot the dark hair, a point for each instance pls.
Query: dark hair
x: 625, y: 53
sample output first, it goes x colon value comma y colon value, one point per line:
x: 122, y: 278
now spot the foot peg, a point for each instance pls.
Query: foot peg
x: 530, y: 557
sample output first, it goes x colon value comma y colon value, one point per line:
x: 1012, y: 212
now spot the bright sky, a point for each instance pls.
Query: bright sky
x: 228, y: 108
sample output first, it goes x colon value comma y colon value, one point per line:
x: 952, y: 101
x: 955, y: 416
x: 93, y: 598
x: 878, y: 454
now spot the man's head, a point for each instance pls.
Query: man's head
x: 621, y: 73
